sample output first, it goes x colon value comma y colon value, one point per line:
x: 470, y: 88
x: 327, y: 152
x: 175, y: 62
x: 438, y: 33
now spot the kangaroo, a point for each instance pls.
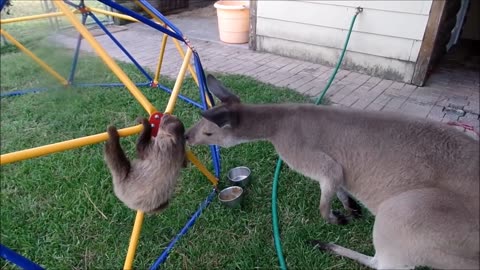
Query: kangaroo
x: 420, y: 179
x: 147, y: 183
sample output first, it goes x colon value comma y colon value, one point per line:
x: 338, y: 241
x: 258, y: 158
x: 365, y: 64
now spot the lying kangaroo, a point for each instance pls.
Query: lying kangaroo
x: 419, y: 178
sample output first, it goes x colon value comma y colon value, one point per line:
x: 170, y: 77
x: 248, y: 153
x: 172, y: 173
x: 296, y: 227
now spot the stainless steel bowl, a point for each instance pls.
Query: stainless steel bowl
x: 239, y: 176
x: 231, y: 196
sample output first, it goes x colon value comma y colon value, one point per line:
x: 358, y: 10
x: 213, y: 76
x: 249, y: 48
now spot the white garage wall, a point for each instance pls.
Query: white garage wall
x: 386, y: 38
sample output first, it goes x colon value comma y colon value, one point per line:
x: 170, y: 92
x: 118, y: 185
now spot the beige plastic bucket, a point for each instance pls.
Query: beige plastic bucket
x: 233, y: 20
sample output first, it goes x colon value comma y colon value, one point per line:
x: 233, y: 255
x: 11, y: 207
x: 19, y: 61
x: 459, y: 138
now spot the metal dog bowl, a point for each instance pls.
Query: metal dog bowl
x: 239, y: 176
x: 231, y: 196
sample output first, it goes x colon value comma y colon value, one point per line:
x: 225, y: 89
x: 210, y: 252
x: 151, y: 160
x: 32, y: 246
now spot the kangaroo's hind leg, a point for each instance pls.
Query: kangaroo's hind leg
x: 426, y: 227
x: 144, y: 140
x: 115, y: 157
x: 345, y: 252
x: 423, y: 227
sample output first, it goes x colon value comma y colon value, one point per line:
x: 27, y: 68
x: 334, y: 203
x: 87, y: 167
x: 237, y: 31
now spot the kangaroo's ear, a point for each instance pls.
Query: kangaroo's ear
x: 222, y: 116
x: 222, y: 93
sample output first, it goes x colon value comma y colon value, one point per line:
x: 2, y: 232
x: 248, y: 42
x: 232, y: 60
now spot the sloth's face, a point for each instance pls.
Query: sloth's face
x: 172, y: 125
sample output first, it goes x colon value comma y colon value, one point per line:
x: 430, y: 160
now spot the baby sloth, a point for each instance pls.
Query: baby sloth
x: 147, y: 183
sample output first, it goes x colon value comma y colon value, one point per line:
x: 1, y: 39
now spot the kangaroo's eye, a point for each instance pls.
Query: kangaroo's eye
x: 207, y: 133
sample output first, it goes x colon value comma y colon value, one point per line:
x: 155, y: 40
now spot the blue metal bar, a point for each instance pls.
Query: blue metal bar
x: 2, y: 4
x: 71, y: 4
x: 201, y: 80
x: 22, y: 92
x: 18, y: 259
x: 182, y: 97
x: 35, y: 90
x: 107, y: 84
x: 204, y: 86
x: 219, y: 159
x: 184, y: 230
x: 203, y: 89
x: 120, y: 46
x: 141, y: 18
x: 160, y: 15
x: 77, y: 52
x: 216, y: 165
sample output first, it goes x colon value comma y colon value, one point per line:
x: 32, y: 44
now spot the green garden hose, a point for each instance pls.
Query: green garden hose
x: 276, y: 231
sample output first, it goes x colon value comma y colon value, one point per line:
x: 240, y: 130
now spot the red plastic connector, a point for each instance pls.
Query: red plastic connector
x: 155, y: 120
x: 83, y: 10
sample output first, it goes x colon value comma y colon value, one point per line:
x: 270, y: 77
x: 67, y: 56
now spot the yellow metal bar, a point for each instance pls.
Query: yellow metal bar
x: 182, y: 54
x: 202, y: 168
x: 148, y: 12
x: 106, y: 58
x: 33, y: 17
x: 178, y: 82
x: 192, y: 71
x: 177, y: 45
x: 62, y: 146
x: 164, y: 40
x: 113, y: 14
x: 137, y: 228
x: 34, y: 57
x: 160, y: 58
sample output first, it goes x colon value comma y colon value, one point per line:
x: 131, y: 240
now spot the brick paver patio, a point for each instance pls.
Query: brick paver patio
x: 450, y: 95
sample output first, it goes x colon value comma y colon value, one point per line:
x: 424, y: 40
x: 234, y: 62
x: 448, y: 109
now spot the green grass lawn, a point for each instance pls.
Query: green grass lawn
x: 29, y: 32
x: 60, y: 210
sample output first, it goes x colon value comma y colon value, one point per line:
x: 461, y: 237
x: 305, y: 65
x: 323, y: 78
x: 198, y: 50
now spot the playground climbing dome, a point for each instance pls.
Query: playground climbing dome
x: 78, y: 14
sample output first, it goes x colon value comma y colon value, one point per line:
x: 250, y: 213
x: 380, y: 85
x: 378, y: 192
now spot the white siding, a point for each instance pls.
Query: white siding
x: 392, y: 30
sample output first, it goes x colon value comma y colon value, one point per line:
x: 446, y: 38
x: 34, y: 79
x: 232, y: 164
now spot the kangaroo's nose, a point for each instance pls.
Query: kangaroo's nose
x: 186, y: 137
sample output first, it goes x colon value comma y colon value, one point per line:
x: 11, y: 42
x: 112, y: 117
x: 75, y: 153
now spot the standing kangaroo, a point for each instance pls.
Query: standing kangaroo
x: 419, y: 178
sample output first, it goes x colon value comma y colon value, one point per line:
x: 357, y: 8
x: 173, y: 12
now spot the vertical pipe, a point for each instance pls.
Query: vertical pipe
x: 160, y: 58
x: 207, y: 102
x: 77, y: 52
x: 137, y: 227
x: 178, y: 82
x: 182, y: 54
x: 163, y: 44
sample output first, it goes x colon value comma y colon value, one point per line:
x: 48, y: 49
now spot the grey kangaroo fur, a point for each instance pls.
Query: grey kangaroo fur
x: 419, y: 178
x: 147, y: 184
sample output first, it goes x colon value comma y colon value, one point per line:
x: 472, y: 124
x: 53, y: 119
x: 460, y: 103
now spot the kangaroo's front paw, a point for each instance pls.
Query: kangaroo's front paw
x: 337, y: 218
